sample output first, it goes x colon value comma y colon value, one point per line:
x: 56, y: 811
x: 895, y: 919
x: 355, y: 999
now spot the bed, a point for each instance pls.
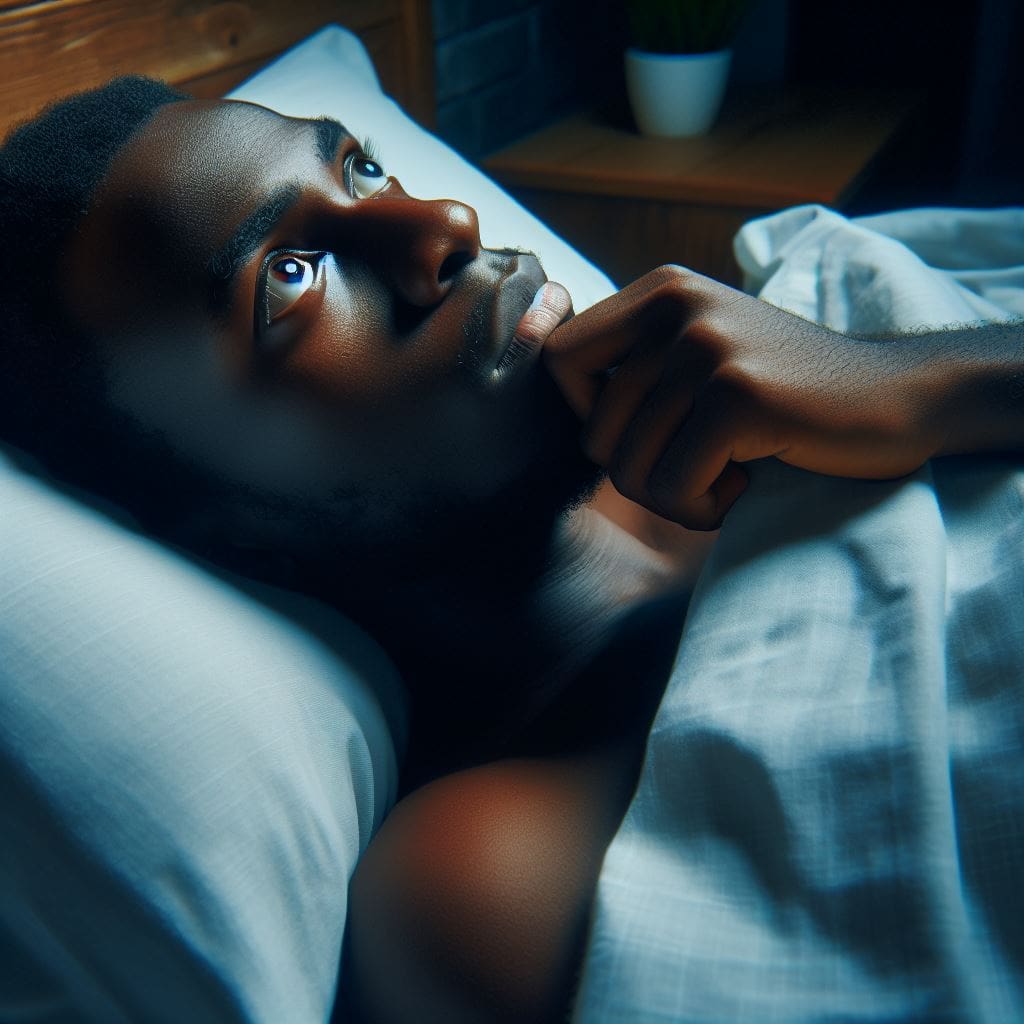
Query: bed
x: 829, y: 822
x: 830, y: 819
x: 205, y: 46
x: 190, y: 765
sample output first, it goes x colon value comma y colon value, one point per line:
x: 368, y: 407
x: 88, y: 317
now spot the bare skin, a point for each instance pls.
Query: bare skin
x: 680, y: 379
x: 675, y: 388
x: 473, y: 901
x: 369, y: 383
x: 378, y: 449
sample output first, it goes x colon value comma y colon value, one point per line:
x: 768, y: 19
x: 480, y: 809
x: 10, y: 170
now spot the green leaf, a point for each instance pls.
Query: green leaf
x: 684, y: 26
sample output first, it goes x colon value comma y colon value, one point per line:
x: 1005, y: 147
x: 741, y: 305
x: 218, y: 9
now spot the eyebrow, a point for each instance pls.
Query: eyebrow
x: 245, y: 241
x: 329, y: 134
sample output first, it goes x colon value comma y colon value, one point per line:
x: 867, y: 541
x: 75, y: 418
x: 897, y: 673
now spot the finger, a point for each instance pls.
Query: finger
x: 579, y: 353
x: 626, y: 391
x: 549, y: 306
x: 724, y: 493
x: 645, y: 438
x: 706, y: 511
x: 696, y: 482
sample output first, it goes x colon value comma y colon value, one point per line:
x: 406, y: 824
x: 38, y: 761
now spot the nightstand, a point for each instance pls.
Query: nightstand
x: 630, y: 203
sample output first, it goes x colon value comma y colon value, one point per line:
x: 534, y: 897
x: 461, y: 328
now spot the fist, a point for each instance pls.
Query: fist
x: 679, y: 379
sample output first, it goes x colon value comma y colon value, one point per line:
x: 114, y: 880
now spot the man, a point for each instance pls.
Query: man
x: 276, y: 356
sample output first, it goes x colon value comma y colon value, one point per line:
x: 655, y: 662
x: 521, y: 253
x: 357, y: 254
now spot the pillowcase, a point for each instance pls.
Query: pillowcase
x: 191, y: 763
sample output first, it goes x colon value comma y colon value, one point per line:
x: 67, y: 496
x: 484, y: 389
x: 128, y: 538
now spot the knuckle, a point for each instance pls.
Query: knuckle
x: 676, y: 291
x: 670, y: 274
x: 675, y: 275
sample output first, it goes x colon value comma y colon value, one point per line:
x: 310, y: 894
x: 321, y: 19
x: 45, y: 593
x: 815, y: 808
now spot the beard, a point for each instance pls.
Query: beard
x: 356, y: 540
x: 441, y: 532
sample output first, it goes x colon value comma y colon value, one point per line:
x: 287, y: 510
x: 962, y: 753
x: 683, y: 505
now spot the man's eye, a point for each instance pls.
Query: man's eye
x: 368, y: 177
x: 288, y: 279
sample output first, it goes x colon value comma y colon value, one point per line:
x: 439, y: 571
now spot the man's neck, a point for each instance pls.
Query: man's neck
x: 486, y: 646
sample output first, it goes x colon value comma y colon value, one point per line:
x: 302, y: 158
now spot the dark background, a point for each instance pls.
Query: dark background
x: 506, y: 67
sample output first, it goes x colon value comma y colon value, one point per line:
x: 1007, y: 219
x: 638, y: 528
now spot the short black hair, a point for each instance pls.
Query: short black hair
x: 50, y: 382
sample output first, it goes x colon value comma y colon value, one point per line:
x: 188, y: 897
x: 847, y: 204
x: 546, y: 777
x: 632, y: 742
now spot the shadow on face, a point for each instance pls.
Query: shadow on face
x: 274, y: 311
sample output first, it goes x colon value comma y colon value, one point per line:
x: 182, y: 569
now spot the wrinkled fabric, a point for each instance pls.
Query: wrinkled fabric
x: 829, y: 823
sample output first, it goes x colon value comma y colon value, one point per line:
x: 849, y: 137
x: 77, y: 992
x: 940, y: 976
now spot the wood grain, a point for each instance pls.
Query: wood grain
x: 49, y: 49
x: 769, y: 150
x: 626, y: 237
x: 630, y: 203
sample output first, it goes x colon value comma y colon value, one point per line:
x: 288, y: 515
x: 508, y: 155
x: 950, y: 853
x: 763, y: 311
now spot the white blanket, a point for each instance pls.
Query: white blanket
x: 830, y: 820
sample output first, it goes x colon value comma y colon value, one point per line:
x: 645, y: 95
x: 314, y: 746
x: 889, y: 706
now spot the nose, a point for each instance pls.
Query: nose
x: 419, y: 245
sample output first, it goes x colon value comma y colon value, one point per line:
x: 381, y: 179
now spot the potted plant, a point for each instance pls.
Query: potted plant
x: 678, y: 65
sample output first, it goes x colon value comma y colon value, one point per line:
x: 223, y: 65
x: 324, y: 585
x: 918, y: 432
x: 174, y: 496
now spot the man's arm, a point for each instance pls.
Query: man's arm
x: 978, y: 376
x: 680, y: 379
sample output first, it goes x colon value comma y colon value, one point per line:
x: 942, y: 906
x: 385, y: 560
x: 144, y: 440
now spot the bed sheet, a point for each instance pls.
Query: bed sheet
x: 829, y: 823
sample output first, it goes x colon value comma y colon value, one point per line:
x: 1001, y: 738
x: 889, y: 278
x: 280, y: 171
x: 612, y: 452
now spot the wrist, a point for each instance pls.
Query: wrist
x: 970, y: 386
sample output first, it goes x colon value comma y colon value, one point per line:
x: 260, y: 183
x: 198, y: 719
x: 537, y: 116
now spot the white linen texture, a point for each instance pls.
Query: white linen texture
x: 829, y: 823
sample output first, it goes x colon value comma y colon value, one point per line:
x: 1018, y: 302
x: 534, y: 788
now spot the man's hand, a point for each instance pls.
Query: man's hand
x: 679, y: 378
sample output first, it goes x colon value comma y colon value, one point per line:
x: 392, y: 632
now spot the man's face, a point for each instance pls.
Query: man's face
x: 276, y: 309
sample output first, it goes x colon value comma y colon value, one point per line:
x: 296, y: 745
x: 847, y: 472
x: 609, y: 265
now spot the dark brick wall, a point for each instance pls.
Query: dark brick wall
x: 505, y: 67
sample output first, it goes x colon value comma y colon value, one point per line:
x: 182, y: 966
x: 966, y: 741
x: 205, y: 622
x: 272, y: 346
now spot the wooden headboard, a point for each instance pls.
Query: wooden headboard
x: 51, y: 48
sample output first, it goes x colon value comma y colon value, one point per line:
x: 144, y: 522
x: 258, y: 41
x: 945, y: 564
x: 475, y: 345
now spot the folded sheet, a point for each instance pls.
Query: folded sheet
x: 829, y: 823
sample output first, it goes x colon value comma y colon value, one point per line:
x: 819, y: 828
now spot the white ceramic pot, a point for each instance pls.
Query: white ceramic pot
x: 676, y: 93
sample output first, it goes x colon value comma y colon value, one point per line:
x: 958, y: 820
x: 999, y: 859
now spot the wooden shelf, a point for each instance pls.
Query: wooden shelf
x: 769, y: 150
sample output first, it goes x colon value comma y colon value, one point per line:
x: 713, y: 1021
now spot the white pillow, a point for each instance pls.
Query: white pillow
x: 190, y: 764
